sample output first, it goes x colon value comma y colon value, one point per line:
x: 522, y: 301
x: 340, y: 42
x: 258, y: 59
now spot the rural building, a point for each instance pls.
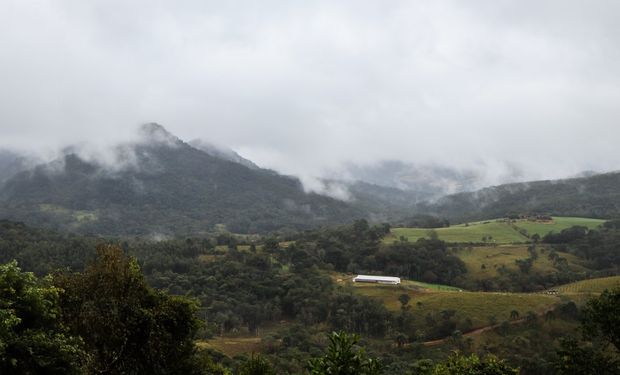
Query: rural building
x: 376, y: 279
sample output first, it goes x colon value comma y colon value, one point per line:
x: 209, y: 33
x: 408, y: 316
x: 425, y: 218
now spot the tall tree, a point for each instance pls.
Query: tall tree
x: 32, y: 340
x: 127, y: 327
x: 343, y: 357
x: 601, y: 317
x: 601, y: 325
x: 256, y: 365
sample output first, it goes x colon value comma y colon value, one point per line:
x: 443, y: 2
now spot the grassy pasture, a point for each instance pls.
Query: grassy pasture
x: 243, y: 342
x: 494, y: 257
x: 477, y: 306
x: 591, y: 286
x: 427, y: 286
x: 500, y: 231
x: 557, y: 225
x: 232, y: 346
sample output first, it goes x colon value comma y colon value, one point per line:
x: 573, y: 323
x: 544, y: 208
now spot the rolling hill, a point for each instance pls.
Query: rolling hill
x: 496, y: 231
x: 595, y: 196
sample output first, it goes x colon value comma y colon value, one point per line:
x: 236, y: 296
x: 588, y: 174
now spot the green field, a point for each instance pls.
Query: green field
x: 494, y: 257
x: 500, y: 232
x: 477, y: 306
x: 428, y: 287
x: 591, y: 286
x: 497, y: 231
x: 558, y: 223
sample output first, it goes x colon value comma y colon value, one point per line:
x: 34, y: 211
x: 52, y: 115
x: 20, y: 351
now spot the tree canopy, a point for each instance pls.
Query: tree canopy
x: 32, y: 338
x: 127, y: 326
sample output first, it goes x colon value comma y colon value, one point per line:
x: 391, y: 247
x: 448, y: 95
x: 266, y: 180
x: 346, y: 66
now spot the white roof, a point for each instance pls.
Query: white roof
x: 377, y: 278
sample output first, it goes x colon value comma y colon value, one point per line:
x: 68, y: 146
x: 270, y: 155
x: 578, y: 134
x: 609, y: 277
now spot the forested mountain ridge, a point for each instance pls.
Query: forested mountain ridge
x: 595, y: 196
x: 165, y: 186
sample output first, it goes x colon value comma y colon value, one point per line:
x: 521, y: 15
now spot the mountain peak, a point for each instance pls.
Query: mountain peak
x: 155, y: 133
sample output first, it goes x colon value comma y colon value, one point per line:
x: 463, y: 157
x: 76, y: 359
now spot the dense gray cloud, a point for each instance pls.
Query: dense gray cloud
x: 305, y: 87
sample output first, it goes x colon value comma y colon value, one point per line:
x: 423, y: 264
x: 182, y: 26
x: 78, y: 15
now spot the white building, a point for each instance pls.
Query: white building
x: 376, y: 279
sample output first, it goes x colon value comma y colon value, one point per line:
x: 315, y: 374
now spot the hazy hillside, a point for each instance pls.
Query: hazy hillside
x: 165, y: 186
x: 162, y: 185
x: 222, y: 153
x: 423, y: 181
x: 10, y: 164
x: 596, y: 196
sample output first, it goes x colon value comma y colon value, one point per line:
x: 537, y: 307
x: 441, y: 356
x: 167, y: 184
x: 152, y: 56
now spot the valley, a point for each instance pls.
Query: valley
x: 268, y: 266
x: 309, y: 188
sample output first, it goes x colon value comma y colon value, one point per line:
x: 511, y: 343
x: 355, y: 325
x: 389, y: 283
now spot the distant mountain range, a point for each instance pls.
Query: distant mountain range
x: 425, y: 181
x: 162, y: 185
x: 596, y: 196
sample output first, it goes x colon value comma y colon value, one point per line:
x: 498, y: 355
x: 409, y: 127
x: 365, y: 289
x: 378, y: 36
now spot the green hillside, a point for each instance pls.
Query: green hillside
x: 484, y: 262
x: 594, y: 196
x: 498, y: 231
x: 557, y: 224
x: 478, y: 307
x: 597, y: 285
x: 501, y: 233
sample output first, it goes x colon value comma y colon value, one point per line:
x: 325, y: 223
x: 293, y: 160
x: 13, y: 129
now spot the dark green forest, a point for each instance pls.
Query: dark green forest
x: 227, y: 284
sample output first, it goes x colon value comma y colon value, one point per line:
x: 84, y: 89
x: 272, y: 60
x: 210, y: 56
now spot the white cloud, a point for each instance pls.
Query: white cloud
x: 307, y: 87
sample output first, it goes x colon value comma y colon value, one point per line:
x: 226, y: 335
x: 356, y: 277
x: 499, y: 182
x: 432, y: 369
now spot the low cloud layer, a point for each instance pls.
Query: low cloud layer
x: 503, y: 87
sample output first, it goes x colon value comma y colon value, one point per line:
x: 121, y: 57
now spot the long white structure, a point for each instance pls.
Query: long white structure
x: 376, y: 279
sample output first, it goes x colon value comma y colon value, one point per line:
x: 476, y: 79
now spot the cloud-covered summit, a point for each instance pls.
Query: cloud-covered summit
x: 308, y: 88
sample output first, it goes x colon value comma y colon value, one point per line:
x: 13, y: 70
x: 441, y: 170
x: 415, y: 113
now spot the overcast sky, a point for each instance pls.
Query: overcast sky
x: 304, y: 86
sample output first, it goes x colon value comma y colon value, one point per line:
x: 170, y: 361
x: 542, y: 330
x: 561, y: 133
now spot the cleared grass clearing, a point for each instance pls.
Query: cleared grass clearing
x: 221, y: 248
x: 493, y: 258
x: 232, y: 346
x: 427, y: 286
x: 80, y: 216
x: 477, y: 306
x: 500, y: 232
x: 597, y: 285
x: 243, y: 342
x: 557, y: 224
x: 480, y: 306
